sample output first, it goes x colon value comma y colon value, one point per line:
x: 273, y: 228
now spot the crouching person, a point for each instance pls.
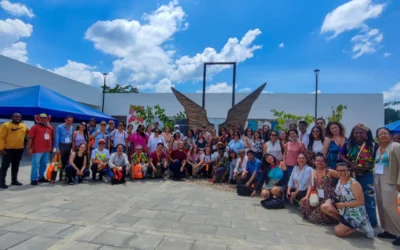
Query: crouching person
x: 178, y: 162
x: 118, y: 164
x: 158, y: 161
x: 76, y: 169
x: 140, y: 163
x: 100, y: 157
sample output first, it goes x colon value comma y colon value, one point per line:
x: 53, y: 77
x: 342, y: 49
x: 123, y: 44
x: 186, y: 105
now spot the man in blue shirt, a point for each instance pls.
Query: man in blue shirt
x: 252, y: 171
x: 63, y: 142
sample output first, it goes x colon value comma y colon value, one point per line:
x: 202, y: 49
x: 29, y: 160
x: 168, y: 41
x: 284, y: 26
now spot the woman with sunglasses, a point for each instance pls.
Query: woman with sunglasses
x: 387, y: 185
x: 236, y: 143
x: 273, y: 146
x: 118, y: 137
x: 324, y: 184
x: 100, y: 134
x: 80, y: 136
x: 348, y: 207
x: 315, y: 142
x: 223, y: 136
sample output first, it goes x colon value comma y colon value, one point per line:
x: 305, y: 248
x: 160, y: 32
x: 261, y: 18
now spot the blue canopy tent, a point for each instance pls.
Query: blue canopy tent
x: 31, y: 101
x: 394, y: 127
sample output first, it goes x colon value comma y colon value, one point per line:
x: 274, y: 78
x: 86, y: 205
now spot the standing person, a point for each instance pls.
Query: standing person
x: 156, y: 126
x: 396, y: 137
x: 292, y: 150
x: 247, y: 138
x: 177, y: 129
x: 303, y: 136
x: 92, y: 126
x: 129, y: 131
x: 63, y: 142
x: 149, y: 130
x: 320, y: 122
x: 174, y: 141
x: 178, y: 160
x: 257, y: 145
x: 166, y: 134
x: 189, y: 140
x: 80, y: 136
x: 283, y: 137
x: 315, y: 143
x: 266, y: 132
x: 231, y: 134
x: 154, y: 140
x: 293, y: 126
x: 100, y: 134
x: 223, y: 137
x: 12, y: 135
x: 387, y: 185
x: 334, y: 141
x: 201, y: 142
x: 206, y: 134
x: 213, y: 140
x: 359, y: 152
x: 111, y: 126
x: 236, y: 143
x: 118, y: 137
x: 40, y: 144
x: 274, y: 146
x: 139, y: 138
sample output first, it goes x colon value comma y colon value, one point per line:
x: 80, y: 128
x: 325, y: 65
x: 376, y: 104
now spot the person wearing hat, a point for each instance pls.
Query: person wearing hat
x: 100, y: 157
x: 177, y: 129
x: 40, y: 144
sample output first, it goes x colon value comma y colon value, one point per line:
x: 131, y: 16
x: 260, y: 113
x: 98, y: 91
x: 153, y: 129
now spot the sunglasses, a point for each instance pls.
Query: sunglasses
x: 83, y: 124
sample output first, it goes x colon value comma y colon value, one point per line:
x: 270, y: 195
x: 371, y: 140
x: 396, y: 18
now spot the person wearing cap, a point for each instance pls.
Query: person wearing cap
x: 63, y: 142
x: 154, y: 140
x: 206, y: 134
x: 40, y: 144
x: 12, y: 136
x: 220, y: 171
x: 177, y: 129
x: 100, y: 157
x: 240, y: 167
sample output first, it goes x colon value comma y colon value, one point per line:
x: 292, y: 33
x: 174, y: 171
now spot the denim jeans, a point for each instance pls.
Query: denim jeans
x: 39, y: 163
x: 367, y: 184
x: 175, y: 167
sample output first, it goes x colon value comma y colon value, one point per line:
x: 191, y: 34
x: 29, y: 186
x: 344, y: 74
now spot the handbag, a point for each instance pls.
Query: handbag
x: 314, y: 199
x: 273, y: 203
x: 243, y: 190
x: 54, y: 166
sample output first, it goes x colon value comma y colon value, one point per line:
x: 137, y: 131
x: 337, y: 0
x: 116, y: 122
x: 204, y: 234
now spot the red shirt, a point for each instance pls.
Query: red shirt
x: 42, y: 138
x: 154, y: 158
x: 178, y: 155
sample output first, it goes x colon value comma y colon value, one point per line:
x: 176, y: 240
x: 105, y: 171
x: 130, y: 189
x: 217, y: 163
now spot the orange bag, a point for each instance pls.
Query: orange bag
x: 91, y: 143
x: 137, y: 172
x: 54, y: 166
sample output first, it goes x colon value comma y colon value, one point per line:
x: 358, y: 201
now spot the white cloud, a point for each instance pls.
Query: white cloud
x: 220, y: 87
x: 367, y: 42
x: 244, y: 90
x: 17, y: 51
x: 393, y: 94
x: 281, y: 45
x: 39, y: 66
x: 16, y: 9
x: 319, y: 92
x: 84, y: 73
x: 350, y: 15
x: 146, y: 56
x: 387, y: 54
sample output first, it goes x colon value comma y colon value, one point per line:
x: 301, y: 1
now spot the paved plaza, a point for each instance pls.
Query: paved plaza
x: 146, y: 215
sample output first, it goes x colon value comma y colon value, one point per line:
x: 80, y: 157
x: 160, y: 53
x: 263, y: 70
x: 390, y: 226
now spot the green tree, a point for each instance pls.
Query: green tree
x: 392, y: 103
x: 121, y: 89
x: 391, y: 115
x: 337, y: 113
x: 148, y: 114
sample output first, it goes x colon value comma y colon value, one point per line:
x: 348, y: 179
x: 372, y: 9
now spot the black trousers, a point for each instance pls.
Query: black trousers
x: 13, y: 157
x: 65, y: 152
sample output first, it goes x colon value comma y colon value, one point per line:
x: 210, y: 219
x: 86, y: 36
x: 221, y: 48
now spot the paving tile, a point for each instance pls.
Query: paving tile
x: 234, y: 201
x: 92, y: 234
x: 11, y: 239
x: 123, y: 220
x: 174, y: 244
x: 145, y: 223
x: 113, y: 248
x: 194, y: 218
x: 324, y: 242
x: 76, y: 245
x: 166, y: 207
x: 201, y: 229
x: 112, y: 238
x: 182, y: 202
x: 49, y: 229
x: 25, y: 209
x: 67, y: 232
x: 36, y: 243
x: 187, y: 209
x: 292, y: 240
x: 24, y: 226
x: 247, y: 224
x: 169, y: 216
x: 3, y: 232
x: 202, y: 204
x: 68, y: 214
x: 233, y: 214
x: 286, y: 228
x: 6, y: 221
x: 210, y: 211
x: 198, y: 245
x: 174, y: 227
x: 219, y: 221
x: 222, y: 206
x: 145, y: 213
x: 46, y: 211
x: 145, y: 205
x: 144, y: 241
x: 231, y: 233
x: 261, y: 237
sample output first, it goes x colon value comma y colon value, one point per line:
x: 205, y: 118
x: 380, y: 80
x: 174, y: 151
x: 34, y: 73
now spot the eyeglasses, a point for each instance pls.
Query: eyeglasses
x: 103, y: 124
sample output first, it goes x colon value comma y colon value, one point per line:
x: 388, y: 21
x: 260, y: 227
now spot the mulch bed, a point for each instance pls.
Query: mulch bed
x: 219, y: 186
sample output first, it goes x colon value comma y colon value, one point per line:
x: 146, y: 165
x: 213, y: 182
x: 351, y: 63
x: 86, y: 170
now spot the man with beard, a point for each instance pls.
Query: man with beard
x: 92, y: 126
x: 178, y: 162
x: 12, y: 135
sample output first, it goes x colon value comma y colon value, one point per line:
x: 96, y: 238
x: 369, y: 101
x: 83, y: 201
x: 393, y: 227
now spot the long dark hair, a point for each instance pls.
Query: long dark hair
x: 311, y: 138
x: 266, y: 167
x: 328, y: 133
x: 370, y: 140
x: 142, y: 134
x: 85, y: 132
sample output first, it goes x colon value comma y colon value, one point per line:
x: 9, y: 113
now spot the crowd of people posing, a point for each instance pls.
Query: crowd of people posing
x: 335, y: 180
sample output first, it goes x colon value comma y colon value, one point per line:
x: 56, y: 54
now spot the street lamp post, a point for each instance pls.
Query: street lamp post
x: 316, y: 92
x: 104, y: 91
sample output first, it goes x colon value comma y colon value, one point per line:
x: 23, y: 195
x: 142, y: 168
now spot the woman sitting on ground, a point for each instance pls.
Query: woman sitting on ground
x: 77, y: 170
x: 207, y: 164
x: 299, y: 179
x: 232, y: 164
x: 194, y: 160
x: 324, y: 184
x: 348, y: 207
x: 220, y: 172
x: 201, y: 142
x: 274, y: 178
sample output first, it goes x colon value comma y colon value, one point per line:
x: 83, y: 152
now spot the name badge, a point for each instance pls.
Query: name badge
x: 214, y: 147
x: 46, y: 136
x: 321, y: 193
x: 67, y: 140
x: 379, y: 168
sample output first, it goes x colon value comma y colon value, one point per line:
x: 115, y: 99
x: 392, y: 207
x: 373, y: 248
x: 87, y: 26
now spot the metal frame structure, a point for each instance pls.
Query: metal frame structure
x: 205, y: 75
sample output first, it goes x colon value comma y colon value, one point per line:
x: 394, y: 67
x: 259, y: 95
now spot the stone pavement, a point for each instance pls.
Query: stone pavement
x: 158, y: 215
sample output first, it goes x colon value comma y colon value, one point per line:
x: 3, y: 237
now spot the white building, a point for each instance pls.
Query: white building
x: 364, y: 108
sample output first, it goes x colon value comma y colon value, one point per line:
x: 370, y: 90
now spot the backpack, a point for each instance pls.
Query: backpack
x: 117, y: 176
x: 273, y: 203
x: 137, y: 172
x: 243, y: 190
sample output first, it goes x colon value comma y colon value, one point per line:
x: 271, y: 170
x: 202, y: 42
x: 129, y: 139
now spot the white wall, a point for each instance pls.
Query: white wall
x: 15, y: 74
x: 364, y: 108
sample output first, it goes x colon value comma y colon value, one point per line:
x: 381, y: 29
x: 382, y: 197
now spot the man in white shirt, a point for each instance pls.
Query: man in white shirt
x: 303, y: 135
x: 154, y: 140
x: 240, y: 166
x: 118, y: 163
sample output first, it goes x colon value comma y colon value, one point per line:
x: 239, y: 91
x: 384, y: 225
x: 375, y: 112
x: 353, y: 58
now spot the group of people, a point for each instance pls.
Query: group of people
x: 335, y: 180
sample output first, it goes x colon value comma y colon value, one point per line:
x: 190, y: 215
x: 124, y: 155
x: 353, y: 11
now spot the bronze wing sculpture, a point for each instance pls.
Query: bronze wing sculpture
x: 237, y: 115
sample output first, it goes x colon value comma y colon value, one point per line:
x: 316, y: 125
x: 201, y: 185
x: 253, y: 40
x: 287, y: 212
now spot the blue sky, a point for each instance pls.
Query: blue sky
x: 158, y: 44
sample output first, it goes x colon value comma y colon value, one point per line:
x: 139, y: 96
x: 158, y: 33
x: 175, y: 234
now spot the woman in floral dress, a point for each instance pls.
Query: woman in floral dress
x: 257, y: 145
x: 324, y: 180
